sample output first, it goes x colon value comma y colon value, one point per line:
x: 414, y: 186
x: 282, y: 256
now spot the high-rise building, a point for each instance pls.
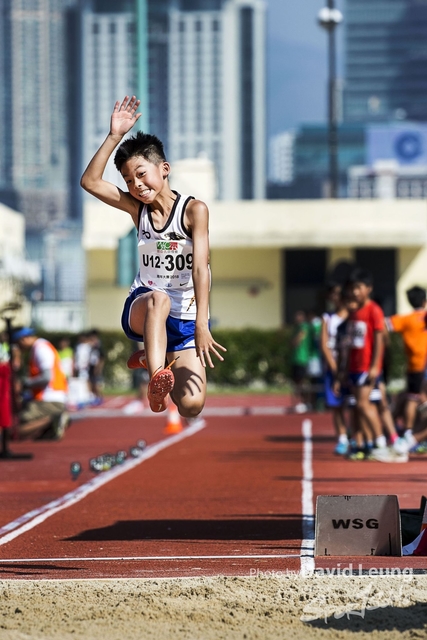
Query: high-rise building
x: 216, y: 99
x: 281, y: 158
x: 33, y: 117
x: 386, y: 60
x: 109, y: 71
x: 197, y: 65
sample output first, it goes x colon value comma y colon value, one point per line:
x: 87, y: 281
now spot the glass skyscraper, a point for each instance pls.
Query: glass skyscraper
x: 33, y: 129
x: 386, y: 60
x: 217, y: 91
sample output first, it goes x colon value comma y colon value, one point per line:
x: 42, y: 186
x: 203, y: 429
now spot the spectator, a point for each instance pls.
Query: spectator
x: 65, y: 353
x: 96, y: 366
x: 365, y: 366
x: 43, y: 412
x: 331, y: 321
x: 314, y: 367
x: 82, y: 356
x: 5, y: 383
x: 412, y: 327
x: 299, y: 359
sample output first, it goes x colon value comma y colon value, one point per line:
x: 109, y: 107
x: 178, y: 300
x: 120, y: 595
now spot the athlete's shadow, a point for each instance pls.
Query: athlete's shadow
x: 239, y: 529
x: 186, y: 379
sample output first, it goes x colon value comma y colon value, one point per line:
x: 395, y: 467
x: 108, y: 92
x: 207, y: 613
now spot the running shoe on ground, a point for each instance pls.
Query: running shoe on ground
x: 357, y: 455
x: 419, y: 448
x: 137, y: 360
x: 341, y: 449
x: 159, y: 387
x: 405, y: 444
x: 388, y: 454
x: 301, y: 408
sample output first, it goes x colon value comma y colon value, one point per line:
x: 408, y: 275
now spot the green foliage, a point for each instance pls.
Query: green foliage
x: 252, y: 355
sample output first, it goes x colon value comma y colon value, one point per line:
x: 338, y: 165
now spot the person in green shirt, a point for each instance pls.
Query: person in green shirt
x: 299, y: 360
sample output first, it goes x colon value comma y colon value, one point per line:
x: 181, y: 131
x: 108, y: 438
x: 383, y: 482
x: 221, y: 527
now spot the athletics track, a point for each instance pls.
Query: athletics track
x: 231, y: 495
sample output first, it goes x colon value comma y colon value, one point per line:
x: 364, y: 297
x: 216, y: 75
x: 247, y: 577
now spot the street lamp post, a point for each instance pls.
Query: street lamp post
x: 329, y: 18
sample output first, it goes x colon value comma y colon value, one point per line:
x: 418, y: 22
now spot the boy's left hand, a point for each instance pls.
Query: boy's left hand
x: 205, y: 345
x: 373, y: 374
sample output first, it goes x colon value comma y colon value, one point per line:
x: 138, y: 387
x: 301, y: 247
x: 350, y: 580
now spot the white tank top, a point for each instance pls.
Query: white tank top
x: 166, y: 259
x: 333, y: 321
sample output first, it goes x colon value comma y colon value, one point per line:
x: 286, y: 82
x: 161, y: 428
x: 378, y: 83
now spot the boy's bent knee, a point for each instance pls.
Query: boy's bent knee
x: 190, y: 409
x: 159, y: 301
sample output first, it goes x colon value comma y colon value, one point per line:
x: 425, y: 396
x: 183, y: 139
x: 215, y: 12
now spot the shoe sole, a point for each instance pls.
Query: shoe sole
x: 160, y: 385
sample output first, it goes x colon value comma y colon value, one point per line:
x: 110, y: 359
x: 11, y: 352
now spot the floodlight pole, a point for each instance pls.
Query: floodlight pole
x: 329, y: 18
x: 332, y: 111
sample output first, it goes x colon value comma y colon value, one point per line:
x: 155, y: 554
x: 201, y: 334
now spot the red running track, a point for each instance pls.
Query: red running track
x: 225, y: 500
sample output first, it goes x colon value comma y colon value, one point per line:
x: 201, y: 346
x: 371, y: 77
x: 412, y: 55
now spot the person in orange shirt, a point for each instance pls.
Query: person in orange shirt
x: 414, y: 333
x: 45, y: 388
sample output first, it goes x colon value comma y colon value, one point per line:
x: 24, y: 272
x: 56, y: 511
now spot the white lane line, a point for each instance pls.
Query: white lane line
x: 133, y: 558
x: 226, y: 412
x: 307, y: 544
x: 37, y: 516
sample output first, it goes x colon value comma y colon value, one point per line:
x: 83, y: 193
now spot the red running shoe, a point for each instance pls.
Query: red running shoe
x: 159, y: 387
x: 137, y: 360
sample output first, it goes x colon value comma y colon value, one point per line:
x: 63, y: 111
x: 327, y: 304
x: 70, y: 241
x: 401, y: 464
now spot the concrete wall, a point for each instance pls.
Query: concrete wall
x: 247, y: 288
x: 104, y: 307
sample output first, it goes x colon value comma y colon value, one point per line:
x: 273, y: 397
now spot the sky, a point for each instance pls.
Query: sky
x: 297, y: 63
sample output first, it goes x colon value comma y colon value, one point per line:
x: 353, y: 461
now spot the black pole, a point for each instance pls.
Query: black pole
x: 332, y: 109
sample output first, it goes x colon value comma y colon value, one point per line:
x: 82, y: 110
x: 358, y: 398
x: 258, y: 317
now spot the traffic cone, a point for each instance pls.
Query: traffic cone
x: 174, y: 424
x: 424, y: 523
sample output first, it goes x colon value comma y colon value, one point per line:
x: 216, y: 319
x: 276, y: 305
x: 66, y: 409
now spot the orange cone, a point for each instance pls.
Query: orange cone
x: 174, y: 424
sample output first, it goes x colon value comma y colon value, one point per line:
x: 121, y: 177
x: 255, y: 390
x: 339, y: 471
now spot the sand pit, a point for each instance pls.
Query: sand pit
x: 381, y: 607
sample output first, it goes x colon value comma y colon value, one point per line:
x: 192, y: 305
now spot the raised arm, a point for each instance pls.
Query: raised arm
x: 123, y: 118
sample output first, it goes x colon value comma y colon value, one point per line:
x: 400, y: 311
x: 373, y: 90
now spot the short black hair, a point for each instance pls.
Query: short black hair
x: 361, y: 275
x: 141, y: 144
x: 331, y: 285
x: 416, y: 297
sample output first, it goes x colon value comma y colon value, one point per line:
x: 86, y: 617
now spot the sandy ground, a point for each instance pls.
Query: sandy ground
x: 262, y: 607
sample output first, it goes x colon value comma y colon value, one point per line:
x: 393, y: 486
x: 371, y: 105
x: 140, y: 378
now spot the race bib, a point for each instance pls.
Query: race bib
x: 166, y: 264
x: 358, y: 334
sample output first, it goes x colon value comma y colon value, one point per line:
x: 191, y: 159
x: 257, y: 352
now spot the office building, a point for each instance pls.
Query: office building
x: 281, y: 158
x: 33, y: 122
x: 386, y: 60
x: 217, y: 91
x: 311, y: 161
x: 109, y: 71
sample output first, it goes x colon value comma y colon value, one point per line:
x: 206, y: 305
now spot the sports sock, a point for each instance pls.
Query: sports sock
x: 343, y: 439
x: 381, y: 442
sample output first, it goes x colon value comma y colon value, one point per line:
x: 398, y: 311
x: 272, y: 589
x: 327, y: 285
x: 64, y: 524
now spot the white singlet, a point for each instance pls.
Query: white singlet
x: 166, y: 259
x: 332, y: 321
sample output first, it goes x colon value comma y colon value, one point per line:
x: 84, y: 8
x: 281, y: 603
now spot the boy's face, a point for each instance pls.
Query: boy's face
x: 361, y: 292
x: 334, y: 296
x: 143, y: 178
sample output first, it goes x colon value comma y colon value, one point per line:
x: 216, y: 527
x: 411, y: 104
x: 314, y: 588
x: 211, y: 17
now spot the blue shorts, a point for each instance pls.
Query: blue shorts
x: 331, y: 399
x: 180, y: 333
x: 362, y: 379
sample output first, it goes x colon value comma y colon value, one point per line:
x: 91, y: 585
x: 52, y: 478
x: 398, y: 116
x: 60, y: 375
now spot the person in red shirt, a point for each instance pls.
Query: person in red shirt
x: 366, y: 329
